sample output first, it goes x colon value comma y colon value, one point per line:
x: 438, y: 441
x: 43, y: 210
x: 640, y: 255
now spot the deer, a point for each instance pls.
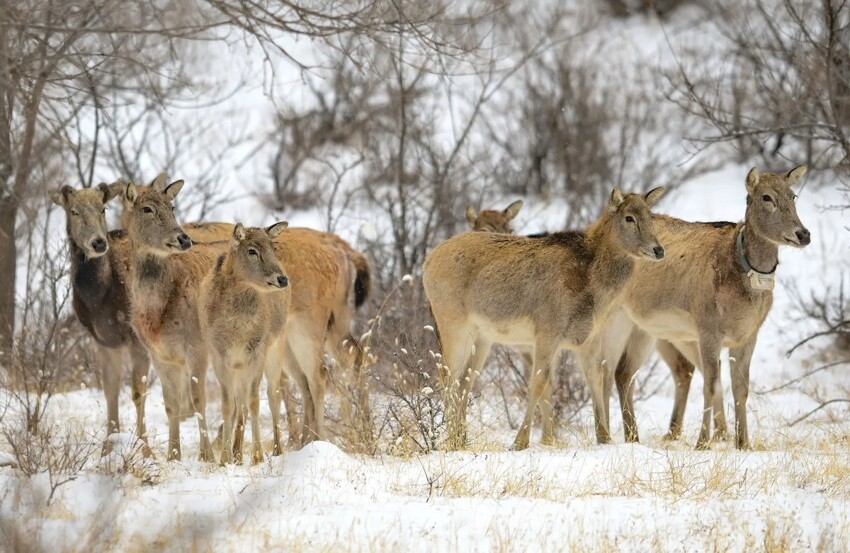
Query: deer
x: 495, y: 220
x: 243, y: 306
x: 99, y: 272
x: 328, y: 278
x: 165, y: 276
x: 550, y: 292
x: 715, y: 291
x: 499, y: 221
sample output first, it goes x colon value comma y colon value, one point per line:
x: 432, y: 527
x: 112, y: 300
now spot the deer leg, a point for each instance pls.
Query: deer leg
x: 112, y: 372
x: 546, y: 404
x: 254, y: 406
x: 345, y: 349
x: 721, y: 430
x: 294, y: 370
x: 174, y: 388
x: 274, y: 373
x: 637, y: 350
x: 139, y: 381
x: 293, y: 425
x: 591, y: 365
x: 683, y: 371
x: 456, y: 357
x: 740, y: 390
x: 709, y: 352
x: 544, y: 354
x: 228, y: 416
x: 198, y: 393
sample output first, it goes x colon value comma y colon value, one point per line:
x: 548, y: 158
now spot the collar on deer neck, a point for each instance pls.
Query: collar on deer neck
x: 758, y: 280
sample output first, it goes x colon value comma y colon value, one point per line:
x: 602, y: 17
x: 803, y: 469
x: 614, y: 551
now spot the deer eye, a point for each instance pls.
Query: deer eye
x: 252, y: 251
x: 767, y: 198
x: 147, y: 209
x: 75, y: 213
x: 630, y: 219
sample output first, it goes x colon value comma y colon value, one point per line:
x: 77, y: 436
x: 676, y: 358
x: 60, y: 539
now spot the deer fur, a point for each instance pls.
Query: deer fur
x: 243, y: 307
x: 702, y: 298
x: 99, y: 272
x: 551, y: 292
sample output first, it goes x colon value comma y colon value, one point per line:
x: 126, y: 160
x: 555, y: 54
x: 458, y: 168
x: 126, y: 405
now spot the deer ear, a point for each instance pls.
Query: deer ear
x: 471, y: 215
x: 512, y: 210
x: 131, y: 194
x: 173, y: 189
x: 115, y: 189
x: 654, y: 195
x: 107, y: 191
x: 752, y: 180
x: 795, y: 174
x: 238, y: 235
x: 57, y: 196
x: 159, y: 182
x: 275, y: 230
x: 616, y: 200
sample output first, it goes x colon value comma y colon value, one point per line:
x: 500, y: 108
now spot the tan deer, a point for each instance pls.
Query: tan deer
x: 551, y: 292
x: 714, y: 291
x: 243, y: 307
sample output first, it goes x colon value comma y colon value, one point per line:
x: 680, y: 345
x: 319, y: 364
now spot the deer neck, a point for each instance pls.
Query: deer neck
x: 91, y: 277
x: 611, y: 267
x: 152, y: 281
x: 756, y: 252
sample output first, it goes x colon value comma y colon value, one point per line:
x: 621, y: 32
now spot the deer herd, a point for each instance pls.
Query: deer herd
x: 274, y: 301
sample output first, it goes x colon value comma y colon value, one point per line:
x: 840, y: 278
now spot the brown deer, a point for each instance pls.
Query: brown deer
x: 715, y: 291
x: 243, y: 307
x: 99, y: 272
x: 550, y: 292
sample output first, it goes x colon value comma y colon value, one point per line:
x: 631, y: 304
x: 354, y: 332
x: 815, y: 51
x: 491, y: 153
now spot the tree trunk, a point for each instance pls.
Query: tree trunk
x: 8, y: 271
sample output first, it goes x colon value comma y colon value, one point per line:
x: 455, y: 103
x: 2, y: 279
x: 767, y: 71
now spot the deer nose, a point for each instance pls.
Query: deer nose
x: 658, y: 251
x: 282, y: 281
x: 98, y: 245
x: 804, y: 236
x: 184, y: 241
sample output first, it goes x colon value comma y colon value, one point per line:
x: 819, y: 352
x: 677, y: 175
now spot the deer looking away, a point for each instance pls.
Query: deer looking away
x: 493, y: 220
x: 243, y: 306
x: 99, y: 273
x: 550, y: 292
x: 714, y: 291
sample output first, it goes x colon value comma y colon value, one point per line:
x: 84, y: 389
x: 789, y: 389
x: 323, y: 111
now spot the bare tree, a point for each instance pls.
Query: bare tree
x: 785, y: 90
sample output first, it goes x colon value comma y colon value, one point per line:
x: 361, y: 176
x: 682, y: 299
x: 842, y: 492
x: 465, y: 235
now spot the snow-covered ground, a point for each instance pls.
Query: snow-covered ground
x: 792, y: 492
